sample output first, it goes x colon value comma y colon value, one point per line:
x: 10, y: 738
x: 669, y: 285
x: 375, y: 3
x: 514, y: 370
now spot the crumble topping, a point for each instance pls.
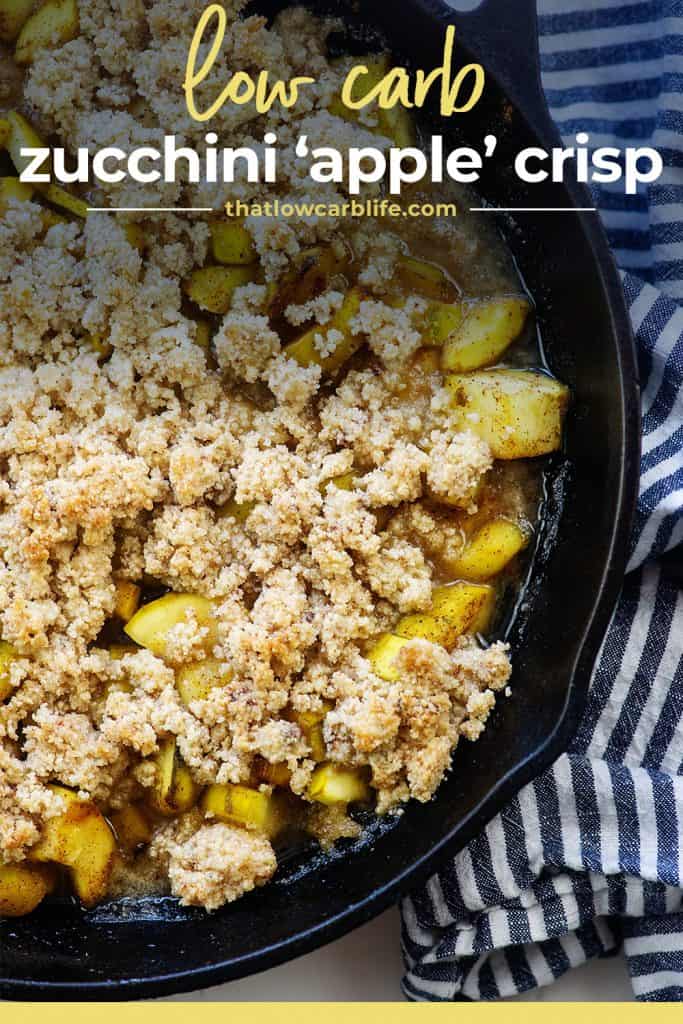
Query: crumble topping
x: 123, y: 469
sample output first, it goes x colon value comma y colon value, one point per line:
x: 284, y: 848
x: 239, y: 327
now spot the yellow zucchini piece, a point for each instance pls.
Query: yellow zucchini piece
x: 126, y: 599
x: 398, y: 125
x: 333, y: 784
x: 420, y: 277
x: 118, y: 651
x: 308, y: 276
x: 203, y: 335
x: 519, y: 413
x: 489, y: 551
x: 23, y: 887
x: 132, y: 827
x: 164, y: 764
x: 151, y: 624
x: 271, y: 295
x: 455, y: 602
x: 231, y: 243
x: 242, y: 805
x: 238, y: 510
x: 82, y: 841
x: 195, y: 682
x: 175, y: 791
x: 456, y: 609
x: 311, y: 725
x: 185, y: 791
x: 135, y: 236
x: 22, y: 135
x: 344, y: 482
x: 213, y: 287
x: 339, y: 109
x: 305, y: 352
x: 8, y: 654
x: 452, y: 600
x: 377, y: 67
x: 60, y: 197
x: 13, y: 16
x: 272, y: 774
x: 383, y: 656
x: 12, y: 188
x: 423, y: 626
x: 489, y: 328
x: 101, y: 347
x: 443, y: 318
x: 53, y: 24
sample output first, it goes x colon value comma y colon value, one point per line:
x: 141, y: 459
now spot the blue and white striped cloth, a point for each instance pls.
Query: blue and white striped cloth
x: 590, y: 855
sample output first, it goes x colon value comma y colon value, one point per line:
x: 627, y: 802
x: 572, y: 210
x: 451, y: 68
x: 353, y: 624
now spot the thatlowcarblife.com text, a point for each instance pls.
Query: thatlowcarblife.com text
x: 301, y: 209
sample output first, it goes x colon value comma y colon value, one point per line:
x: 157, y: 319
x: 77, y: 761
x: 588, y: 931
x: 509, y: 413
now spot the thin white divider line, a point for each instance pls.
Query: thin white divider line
x: 533, y: 209
x: 151, y: 209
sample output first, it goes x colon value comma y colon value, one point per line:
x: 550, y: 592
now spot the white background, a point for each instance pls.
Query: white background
x: 366, y: 965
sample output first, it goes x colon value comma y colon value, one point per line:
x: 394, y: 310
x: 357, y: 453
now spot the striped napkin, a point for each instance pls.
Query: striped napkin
x: 587, y: 858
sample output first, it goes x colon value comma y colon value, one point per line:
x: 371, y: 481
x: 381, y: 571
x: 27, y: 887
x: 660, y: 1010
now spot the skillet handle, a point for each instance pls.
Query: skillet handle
x: 503, y: 35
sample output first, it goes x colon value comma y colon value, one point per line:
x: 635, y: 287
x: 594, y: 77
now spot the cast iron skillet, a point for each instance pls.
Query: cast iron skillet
x: 152, y: 947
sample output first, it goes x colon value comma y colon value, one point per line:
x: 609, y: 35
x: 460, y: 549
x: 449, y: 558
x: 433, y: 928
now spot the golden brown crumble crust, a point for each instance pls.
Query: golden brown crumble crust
x: 119, y: 470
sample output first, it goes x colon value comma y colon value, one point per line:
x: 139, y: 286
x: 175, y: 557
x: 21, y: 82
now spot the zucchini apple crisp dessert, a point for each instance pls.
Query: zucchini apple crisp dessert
x: 263, y: 481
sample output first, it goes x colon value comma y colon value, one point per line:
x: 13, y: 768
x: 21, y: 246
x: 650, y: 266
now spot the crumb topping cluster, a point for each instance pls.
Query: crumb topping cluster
x: 126, y: 468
